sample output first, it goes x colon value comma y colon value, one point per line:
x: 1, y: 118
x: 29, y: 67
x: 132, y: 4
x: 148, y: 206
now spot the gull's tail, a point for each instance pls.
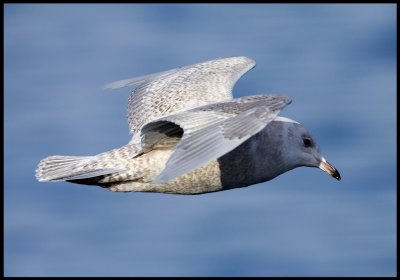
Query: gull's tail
x: 66, y: 168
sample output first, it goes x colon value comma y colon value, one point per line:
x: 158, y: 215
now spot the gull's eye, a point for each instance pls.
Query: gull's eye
x: 307, y: 142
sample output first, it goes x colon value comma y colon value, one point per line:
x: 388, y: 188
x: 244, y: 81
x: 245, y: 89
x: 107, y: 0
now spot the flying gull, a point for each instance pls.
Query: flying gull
x: 190, y: 136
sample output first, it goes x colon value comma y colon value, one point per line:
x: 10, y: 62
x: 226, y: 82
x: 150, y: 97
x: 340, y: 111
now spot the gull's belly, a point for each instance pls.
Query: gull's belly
x: 147, y: 166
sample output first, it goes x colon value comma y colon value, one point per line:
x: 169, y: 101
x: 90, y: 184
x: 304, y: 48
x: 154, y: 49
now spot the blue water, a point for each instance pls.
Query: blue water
x: 337, y: 63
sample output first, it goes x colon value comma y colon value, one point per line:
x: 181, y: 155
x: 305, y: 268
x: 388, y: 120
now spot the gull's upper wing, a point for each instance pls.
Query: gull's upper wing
x: 212, y: 130
x: 173, y: 91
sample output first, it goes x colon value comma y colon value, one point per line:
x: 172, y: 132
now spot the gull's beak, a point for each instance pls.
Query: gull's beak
x: 328, y: 168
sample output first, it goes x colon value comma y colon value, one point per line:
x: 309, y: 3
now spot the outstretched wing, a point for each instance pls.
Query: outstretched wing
x: 213, y: 130
x: 173, y: 91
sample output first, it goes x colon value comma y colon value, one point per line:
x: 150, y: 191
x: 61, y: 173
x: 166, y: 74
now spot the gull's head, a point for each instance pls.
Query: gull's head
x: 301, y: 149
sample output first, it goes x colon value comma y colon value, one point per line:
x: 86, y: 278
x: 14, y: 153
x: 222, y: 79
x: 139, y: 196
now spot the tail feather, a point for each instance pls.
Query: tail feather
x: 64, y: 168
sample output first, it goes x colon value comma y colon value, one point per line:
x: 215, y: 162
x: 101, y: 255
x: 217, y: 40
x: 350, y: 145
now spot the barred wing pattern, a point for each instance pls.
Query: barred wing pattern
x: 173, y: 91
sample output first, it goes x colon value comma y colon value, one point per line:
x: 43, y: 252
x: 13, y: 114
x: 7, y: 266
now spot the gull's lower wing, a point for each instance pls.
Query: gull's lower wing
x: 242, y: 118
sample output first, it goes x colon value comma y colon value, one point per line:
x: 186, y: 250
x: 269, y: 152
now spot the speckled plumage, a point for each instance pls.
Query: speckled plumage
x: 191, y: 136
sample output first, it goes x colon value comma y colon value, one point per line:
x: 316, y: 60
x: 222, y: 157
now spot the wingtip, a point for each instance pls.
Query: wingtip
x: 114, y: 85
x: 124, y: 83
x: 288, y: 100
x: 251, y: 60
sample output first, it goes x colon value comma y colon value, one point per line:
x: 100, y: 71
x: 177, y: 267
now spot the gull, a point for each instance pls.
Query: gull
x: 191, y: 136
